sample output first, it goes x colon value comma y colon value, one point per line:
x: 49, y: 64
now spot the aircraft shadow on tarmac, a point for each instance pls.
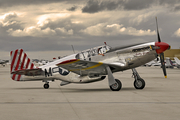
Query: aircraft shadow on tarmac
x: 94, y: 90
x: 84, y: 89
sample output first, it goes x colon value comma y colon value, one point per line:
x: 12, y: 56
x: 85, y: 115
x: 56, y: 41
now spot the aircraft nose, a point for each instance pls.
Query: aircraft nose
x: 163, y: 47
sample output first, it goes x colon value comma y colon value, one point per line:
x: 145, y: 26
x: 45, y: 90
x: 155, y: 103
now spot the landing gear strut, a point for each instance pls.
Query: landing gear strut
x: 46, y: 85
x: 139, y: 83
x: 114, y: 84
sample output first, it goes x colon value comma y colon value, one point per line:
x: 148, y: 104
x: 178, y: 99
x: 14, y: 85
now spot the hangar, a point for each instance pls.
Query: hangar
x: 172, y: 53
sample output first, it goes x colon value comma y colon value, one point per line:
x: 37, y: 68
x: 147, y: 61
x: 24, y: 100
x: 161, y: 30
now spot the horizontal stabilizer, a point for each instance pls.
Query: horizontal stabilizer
x: 28, y: 72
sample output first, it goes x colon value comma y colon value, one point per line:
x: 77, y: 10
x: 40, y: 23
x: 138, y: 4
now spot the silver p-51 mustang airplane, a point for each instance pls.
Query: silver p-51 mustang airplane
x: 90, y: 65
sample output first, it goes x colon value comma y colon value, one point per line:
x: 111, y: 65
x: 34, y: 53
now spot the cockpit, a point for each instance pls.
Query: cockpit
x: 87, y: 54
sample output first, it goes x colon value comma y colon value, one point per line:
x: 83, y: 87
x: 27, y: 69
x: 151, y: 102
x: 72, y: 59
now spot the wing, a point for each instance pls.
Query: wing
x: 177, y: 60
x: 29, y: 72
x: 83, y: 67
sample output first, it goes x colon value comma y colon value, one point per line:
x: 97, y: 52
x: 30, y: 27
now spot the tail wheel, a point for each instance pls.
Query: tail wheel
x: 139, y: 84
x: 46, y: 86
x: 117, y: 86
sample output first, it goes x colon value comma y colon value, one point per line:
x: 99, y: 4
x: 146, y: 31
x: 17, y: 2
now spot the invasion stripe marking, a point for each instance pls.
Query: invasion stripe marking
x: 13, y: 60
x: 27, y: 64
x: 32, y: 65
x: 22, y: 64
x: 22, y: 56
x: 16, y: 60
x: 19, y: 77
x: 15, y: 76
x: 17, y: 64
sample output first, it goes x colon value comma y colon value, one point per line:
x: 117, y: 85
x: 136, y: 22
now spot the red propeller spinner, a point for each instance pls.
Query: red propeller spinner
x: 162, y: 47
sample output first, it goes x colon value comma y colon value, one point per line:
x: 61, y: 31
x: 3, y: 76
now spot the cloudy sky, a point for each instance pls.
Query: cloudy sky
x: 47, y: 28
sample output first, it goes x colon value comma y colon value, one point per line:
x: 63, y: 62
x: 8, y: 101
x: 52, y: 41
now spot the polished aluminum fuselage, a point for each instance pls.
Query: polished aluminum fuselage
x: 121, y: 58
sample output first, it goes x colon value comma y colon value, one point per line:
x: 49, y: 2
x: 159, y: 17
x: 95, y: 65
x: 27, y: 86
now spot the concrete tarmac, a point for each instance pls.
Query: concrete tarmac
x: 159, y: 100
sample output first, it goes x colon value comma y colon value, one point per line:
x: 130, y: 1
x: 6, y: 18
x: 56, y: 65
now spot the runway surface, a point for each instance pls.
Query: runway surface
x: 159, y: 100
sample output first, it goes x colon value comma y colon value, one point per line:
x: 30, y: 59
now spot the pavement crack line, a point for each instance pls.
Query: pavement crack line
x: 68, y: 101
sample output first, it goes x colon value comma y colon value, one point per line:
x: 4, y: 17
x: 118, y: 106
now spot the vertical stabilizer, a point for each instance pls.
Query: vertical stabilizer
x: 19, y: 61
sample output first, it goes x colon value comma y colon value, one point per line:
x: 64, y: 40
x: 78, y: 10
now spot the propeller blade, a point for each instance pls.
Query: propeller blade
x: 163, y: 64
x: 159, y: 39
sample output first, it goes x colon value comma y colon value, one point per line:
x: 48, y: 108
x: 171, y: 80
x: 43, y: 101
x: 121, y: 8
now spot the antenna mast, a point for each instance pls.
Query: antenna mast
x: 73, y: 48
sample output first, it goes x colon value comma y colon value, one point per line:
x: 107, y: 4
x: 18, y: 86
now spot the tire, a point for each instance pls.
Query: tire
x: 117, y: 86
x: 140, y: 84
x: 46, y: 86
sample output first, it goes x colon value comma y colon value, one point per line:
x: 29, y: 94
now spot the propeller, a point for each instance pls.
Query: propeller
x: 159, y: 39
x: 161, y: 54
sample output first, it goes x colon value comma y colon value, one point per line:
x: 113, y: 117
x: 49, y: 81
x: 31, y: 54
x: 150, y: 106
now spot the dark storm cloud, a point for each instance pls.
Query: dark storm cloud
x: 72, y: 8
x: 137, y: 4
x: 10, y: 3
x: 94, y: 6
x: 169, y: 2
x: 176, y: 8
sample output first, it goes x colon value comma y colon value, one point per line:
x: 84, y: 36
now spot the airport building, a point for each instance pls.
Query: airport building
x: 172, y: 53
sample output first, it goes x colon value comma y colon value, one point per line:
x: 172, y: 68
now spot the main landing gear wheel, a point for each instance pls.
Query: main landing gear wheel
x: 117, y: 86
x: 46, y: 86
x: 139, y: 84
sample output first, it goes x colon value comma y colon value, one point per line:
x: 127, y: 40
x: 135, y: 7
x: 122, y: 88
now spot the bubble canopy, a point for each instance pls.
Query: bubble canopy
x: 100, y: 50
